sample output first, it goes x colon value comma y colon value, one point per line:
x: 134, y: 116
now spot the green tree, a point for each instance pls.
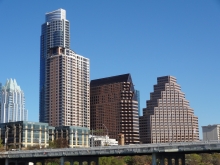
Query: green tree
x: 1, y: 145
x: 59, y: 143
x: 105, y: 161
x: 128, y: 160
x: 53, y: 161
x: 52, y: 144
x: 148, y: 159
x: 206, y: 159
x: 193, y: 159
x: 139, y: 160
x: 216, y: 159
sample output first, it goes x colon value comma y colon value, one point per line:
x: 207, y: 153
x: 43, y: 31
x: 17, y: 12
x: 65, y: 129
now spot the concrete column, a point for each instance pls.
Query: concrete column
x: 154, y: 159
x: 80, y: 162
x: 26, y: 135
x: 169, y: 160
x: 183, y: 159
x: 45, y: 138
x: 6, y: 161
x: 62, y: 161
x: 20, y: 136
x: 96, y: 160
x: 82, y: 138
x: 32, y: 135
x: 162, y: 160
x: 71, y: 162
x: 71, y: 138
x: 176, y: 160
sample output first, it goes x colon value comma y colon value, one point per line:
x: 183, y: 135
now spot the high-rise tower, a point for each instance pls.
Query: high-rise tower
x: 114, y: 107
x: 12, y: 103
x: 168, y: 116
x: 64, y: 76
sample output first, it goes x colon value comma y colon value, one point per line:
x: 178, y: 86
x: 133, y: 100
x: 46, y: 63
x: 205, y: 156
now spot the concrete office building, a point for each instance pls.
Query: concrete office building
x: 76, y: 136
x: 23, y: 134
x: 64, y: 76
x: 211, y: 132
x: 168, y: 116
x: 114, y: 108
x: 12, y: 102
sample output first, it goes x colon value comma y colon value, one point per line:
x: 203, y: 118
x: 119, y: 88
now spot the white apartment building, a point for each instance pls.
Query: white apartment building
x: 96, y: 141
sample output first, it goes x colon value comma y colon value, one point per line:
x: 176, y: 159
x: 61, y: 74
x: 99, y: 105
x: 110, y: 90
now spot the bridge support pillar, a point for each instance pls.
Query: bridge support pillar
x: 154, y: 159
x: 169, y: 160
x: 6, y: 162
x: 97, y: 161
x: 162, y: 160
x: 176, y: 160
x: 183, y: 159
x: 62, y: 161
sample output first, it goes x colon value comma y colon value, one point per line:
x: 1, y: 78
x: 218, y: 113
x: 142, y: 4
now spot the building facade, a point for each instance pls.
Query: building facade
x: 64, y: 76
x: 12, y: 103
x: 168, y: 116
x: 211, y: 132
x: 114, y: 108
x: 76, y: 136
x: 96, y: 141
x: 24, y: 134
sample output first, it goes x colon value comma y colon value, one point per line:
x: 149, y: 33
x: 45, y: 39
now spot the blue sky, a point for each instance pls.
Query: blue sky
x: 145, y: 38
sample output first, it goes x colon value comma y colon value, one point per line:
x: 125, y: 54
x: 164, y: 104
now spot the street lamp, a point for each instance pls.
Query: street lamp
x: 106, y: 135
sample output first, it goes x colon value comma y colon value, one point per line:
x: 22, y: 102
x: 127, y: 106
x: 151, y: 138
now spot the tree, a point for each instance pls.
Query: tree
x: 1, y: 145
x: 149, y: 160
x: 206, y: 158
x: 139, y: 160
x: 105, y: 161
x: 128, y: 160
x: 59, y: 143
x: 216, y: 159
x: 193, y: 159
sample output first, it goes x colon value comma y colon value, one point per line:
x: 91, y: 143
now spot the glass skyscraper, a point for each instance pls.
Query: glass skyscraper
x: 12, y: 102
x: 64, y: 76
x: 140, y: 112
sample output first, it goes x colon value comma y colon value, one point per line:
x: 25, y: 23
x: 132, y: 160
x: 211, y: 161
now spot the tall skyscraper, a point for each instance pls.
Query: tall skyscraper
x: 140, y: 112
x: 168, y: 116
x: 64, y: 76
x: 12, y: 102
x: 114, y: 108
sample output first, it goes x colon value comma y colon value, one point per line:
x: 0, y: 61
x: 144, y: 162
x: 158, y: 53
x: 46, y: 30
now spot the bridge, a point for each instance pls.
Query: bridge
x: 159, y: 152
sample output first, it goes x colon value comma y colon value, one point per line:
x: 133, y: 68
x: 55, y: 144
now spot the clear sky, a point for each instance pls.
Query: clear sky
x: 146, y: 38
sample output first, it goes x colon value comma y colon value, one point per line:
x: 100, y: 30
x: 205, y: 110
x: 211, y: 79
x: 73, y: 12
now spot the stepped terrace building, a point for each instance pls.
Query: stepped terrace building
x: 64, y: 76
x: 168, y: 116
x: 114, y: 108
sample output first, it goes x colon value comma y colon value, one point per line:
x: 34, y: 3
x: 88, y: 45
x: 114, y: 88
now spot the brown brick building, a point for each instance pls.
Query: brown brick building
x: 168, y: 116
x: 113, y: 103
